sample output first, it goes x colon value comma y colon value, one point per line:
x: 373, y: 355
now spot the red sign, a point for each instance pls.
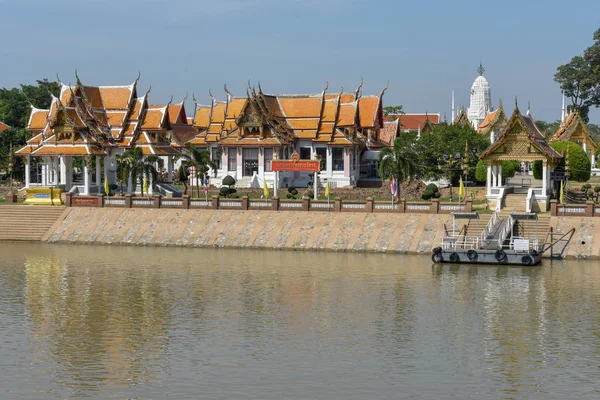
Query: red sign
x: 291, y: 166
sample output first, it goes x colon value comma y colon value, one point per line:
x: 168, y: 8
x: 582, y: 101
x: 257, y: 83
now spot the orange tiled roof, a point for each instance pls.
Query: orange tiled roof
x: 330, y: 111
x: 202, y: 119
x: 414, y: 121
x: 37, y: 120
x: 115, y: 118
x: 234, y: 107
x: 273, y: 106
x: 218, y: 115
x: 300, y: 124
x: 487, y: 120
x: 306, y: 134
x: 387, y: 135
x: 326, y: 127
x: 137, y: 109
x: 153, y: 118
x: 367, y: 110
x: 177, y: 114
x: 93, y: 95
x: 116, y: 97
x: 300, y: 107
x: 347, y: 114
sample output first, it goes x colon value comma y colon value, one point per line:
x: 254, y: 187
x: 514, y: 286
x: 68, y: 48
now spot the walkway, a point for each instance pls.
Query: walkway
x: 27, y: 223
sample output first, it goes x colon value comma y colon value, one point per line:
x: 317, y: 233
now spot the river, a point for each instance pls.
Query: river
x: 135, y: 322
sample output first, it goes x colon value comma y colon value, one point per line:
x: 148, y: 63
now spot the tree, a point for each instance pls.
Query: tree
x: 394, y: 110
x: 509, y: 168
x: 15, y: 103
x: 142, y: 168
x: 123, y: 169
x: 579, y: 164
x: 549, y: 127
x: 398, y: 161
x: 481, y: 171
x: 183, y: 176
x: 199, y: 160
x: 580, y: 78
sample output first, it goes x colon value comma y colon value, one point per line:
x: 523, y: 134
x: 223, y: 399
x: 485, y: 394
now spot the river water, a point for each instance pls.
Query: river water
x: 153, y: 323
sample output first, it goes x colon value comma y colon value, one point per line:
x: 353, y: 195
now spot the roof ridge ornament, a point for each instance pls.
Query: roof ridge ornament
x: 227, y: 90
x: 480, y: 70
x: 358, y: 89
x: 516, y: 104
x: 385, y: 88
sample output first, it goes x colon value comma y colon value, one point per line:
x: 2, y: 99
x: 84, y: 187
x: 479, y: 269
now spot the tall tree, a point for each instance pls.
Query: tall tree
x: 394, y: 110
x: 15, y: 103
x: 199, y: 160
x: 580, y: 79
x: 398, y: 161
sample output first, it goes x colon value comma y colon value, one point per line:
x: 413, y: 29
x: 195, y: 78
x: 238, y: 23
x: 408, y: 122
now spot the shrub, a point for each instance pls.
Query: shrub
x: 481, y: 171
x: 509, y: 168
x: 427, y: 195
x: 597, y: 189
x: 538, y: 172
x: 437, y: 195
x: 226, y: 191
x: 228, y: 181
x: 433, y: 187
x: 579, y: 163
x: 292, y: 192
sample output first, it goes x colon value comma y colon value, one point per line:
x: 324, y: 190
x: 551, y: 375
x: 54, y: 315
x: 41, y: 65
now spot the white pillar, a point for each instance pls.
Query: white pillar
x: 86, y: 178
x: 544, y: 177
x: 170, y: 169
x: 593, y: 160
x: 489, y: 179
x: 329, y: 164
x: 585, y: 147
x: 494, y: 176
x: 98, y: 172
x: 43, y: 171
x: 27, y: 171
x: 500, y: 175
x: 55, y: 165
x: 63, y: 170
x: 316, y: 188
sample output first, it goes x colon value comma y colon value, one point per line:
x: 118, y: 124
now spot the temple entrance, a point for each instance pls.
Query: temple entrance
x: 250, y: 161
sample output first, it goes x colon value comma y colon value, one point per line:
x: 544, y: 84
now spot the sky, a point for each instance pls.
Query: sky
x: 424, y: 49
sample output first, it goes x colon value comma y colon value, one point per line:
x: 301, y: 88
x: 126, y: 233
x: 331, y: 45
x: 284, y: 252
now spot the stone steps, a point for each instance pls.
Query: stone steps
x: 27, y: 223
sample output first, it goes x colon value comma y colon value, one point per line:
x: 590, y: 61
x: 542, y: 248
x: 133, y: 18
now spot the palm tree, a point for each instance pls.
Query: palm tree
x: 140, y: 167
x: 183, y: 176
x: 397, y: 161
x: 123, y: 169
x: 199, y: 160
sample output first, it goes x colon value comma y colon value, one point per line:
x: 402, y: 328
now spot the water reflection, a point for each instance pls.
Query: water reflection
x: 83, y: 321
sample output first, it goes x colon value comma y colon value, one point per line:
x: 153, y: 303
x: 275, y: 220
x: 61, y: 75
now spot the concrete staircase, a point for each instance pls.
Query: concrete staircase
x: 27, y: 223
x: 514, y: 202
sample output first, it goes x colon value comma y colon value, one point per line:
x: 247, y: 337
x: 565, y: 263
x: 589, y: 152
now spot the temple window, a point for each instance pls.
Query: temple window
x: 337, y: 158
x: 216, y: 157
x: 268, y: 158
x: 250, y: 161
x: 305, y: 153
x: 232, y: 159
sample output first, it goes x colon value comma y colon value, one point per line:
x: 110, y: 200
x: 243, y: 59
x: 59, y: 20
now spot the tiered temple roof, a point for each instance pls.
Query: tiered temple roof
x: 462, y: 119
x: 90, y: 120
x: 521, y: 141
x: 495, y: 121
x: 573, y: 129
x: 260, y: 119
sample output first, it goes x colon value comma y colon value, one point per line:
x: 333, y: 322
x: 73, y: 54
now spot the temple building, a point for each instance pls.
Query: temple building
x: 3, y: 126
x: 521, y: 141
x: 573, y: 129
x: 244, y: 134
x: 481, y: 99
x: 95, y: 124
x: 493, y: 124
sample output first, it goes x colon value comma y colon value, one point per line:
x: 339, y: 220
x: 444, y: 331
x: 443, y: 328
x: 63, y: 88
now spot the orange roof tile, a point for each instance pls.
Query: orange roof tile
x: 36, y: 139
x: 229, y: 125
x: 367, y: 110
x: 137, y: 108
x: 306, y: 134
x: 415, y: 121
x: 272, y: 105
x: 250, y: 141
x: 129, y: 128
x: 25, y: 150
x: 37, y: 120
x: 326, y: 128
x: 153, y: 119
x: 329, y: 111
x: 115, y: 118
x: 202, y: 119
x: 66, y: 95
x: 311, y: 123
x: 235, y: 107
x: 300, y: 107
x: 115, y: 132
x: 347, y: 114
x: 177, y: 114
x: 219, y: 113
x: 346, y: 98
x: 215, y: 128
x: 117, y: 97
x: 488, y: 118
x: 388, y: 133
x: 190, y: 120
x: 93, y: 95
x: 80, y: 150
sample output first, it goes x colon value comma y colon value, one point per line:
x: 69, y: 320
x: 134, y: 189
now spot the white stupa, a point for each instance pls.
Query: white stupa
x: 480, y: 99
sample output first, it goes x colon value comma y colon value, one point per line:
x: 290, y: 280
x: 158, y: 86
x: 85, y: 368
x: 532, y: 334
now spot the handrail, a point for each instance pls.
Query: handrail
x: 490, y: 226
x: 506, y: 229
x: 500, y: 199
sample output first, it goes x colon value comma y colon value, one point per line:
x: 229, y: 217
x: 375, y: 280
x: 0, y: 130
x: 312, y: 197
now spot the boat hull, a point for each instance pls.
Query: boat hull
x: 493, y: 257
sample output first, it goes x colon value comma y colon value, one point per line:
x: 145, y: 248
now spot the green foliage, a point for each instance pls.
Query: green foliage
x: 437, y: 195
x: 143, y: 168
x: 199, y: 160
x: 394, y: 110
x: 580, y: 78
x: 228, y: 180
x: 597, y: 189
x: 427, y: 194
x: 579, y: 163
x: 292, y: 192
x: 436, y: 152
x: 433, y: 187
x: 509, y: 168
x: 399, y: 160
x: 537, y: 169
x: 549, y: 127
x: 481, y: 171
x: 183, y: 176
x: 15, y: 103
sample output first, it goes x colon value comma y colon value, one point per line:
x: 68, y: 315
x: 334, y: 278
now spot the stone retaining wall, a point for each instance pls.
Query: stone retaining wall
x: 291, y: 230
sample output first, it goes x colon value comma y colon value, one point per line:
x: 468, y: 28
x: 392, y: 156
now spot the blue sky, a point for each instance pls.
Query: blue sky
x: 425, y: 49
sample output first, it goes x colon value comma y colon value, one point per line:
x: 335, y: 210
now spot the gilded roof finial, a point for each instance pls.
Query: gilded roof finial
x: 387, y: 85
x: 516, y: 104
x: 480, y: 70
x: 259, y: 88
x: 500, y: 103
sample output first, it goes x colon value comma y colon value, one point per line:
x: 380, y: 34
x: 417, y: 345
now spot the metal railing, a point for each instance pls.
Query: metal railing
x: 489, y: 228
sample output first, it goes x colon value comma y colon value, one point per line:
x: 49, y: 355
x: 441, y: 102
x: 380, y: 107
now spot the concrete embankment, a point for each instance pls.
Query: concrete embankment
x: 293, y: 230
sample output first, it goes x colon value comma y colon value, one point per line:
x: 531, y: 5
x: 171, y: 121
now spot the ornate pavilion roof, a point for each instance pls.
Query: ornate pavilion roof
x: 89, y: 120
x: 462, y: 119
x: 521, y: 141
x: 495, y: 121
x: 261, y: 119
x: 573, y: 129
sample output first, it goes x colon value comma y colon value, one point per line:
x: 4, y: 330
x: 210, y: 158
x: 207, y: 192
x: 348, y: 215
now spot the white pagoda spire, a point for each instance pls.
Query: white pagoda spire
x: 563, y: 111
x: 480, y: 104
